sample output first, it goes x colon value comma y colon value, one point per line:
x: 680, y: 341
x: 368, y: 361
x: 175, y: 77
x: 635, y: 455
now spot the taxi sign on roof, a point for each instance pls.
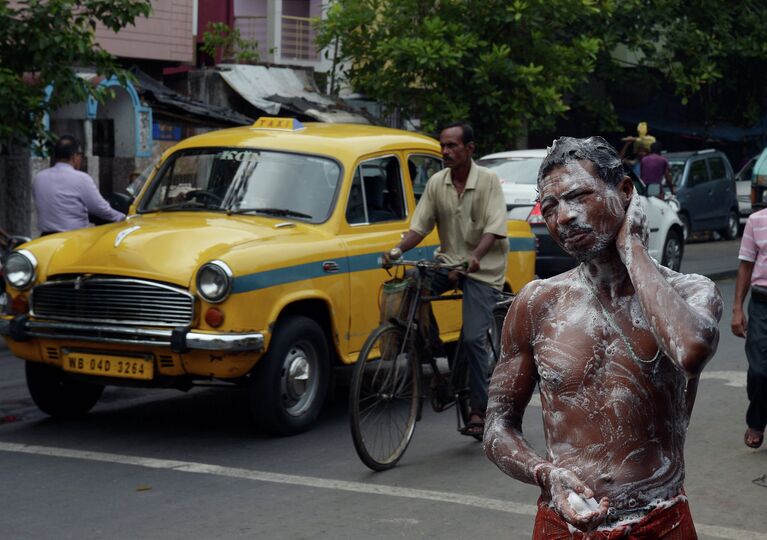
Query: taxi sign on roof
x: 287, y: 124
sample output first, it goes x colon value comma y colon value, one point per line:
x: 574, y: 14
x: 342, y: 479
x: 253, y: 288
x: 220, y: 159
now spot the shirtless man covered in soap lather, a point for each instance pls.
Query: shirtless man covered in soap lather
x: 616, y: 346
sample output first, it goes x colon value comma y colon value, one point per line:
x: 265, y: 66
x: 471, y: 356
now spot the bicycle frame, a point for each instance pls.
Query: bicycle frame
x: 413, y: 322
x: 386, y: 400
x: 414, y: 306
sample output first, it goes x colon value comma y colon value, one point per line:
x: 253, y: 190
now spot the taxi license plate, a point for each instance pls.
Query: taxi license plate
x: 108, y: 366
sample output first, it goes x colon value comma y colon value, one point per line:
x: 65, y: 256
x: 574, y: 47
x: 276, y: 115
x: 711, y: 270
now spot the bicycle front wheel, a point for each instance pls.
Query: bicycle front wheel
x: 384, y: 397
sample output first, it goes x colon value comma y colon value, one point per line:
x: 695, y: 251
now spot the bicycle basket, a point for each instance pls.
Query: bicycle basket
x: 395, y: 298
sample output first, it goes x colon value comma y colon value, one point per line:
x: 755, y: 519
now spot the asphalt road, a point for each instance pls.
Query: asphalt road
x: 167, y: 465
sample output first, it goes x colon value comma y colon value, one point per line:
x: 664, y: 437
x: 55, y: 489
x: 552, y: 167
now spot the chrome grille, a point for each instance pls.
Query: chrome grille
x: 113, y: 300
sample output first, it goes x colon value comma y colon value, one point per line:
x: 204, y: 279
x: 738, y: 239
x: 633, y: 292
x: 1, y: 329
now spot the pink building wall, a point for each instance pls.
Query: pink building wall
x: 167, y: 35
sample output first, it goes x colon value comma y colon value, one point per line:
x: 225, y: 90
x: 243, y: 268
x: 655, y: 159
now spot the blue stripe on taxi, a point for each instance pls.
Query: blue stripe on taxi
x: 358, y: 263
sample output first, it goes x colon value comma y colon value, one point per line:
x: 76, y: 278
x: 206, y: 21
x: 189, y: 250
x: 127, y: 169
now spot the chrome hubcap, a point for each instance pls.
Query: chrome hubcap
x: 298, y: 381
x: 298, y: 376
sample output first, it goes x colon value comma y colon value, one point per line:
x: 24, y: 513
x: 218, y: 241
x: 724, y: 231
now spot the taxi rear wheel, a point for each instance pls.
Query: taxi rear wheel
x: 56, y: 394
x: 288, y: 385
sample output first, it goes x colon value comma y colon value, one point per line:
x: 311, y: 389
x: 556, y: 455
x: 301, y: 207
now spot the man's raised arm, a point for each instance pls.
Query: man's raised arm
x: 683, y: 319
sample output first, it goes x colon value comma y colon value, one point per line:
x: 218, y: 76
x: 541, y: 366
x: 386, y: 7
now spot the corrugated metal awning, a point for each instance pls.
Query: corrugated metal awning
x: 163, y: 100
x: 277, y: 90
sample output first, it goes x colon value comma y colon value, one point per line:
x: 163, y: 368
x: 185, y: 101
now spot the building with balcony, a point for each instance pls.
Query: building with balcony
x: 284, y: 29
x: 283, y: 81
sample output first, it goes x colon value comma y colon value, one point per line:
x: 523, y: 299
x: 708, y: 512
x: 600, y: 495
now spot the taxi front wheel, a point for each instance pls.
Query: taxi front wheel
x: 57, y: 394
x: 288, y: 386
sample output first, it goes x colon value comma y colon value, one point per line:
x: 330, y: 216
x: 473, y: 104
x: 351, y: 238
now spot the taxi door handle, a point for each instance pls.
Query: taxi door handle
x: 330, y: 267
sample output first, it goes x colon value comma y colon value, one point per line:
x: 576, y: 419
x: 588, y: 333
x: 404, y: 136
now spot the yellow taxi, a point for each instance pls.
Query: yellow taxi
x: 250, y: 256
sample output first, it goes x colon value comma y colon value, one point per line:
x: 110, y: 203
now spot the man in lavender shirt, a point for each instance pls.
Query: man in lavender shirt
x: 654, y: 168
x: 64, y: 195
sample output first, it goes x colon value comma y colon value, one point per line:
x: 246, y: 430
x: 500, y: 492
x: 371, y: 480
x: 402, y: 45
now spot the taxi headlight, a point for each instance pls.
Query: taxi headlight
x: 214, y: 281
x: 19, y: 269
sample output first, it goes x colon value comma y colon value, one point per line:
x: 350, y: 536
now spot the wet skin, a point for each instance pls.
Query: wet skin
x: 615, y: 414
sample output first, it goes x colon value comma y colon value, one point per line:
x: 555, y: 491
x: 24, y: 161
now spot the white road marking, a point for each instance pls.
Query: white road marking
x: 323, y: 483
x: 733, y: 378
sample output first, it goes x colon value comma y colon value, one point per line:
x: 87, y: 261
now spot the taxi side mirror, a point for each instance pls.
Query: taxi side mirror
x: 121, y: 202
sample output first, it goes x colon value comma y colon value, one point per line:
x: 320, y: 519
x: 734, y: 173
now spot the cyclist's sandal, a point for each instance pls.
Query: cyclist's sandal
x: 753, y: 438
x: 475, y: 428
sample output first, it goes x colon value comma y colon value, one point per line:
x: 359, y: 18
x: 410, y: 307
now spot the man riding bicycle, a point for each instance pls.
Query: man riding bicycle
x: 466, y: 203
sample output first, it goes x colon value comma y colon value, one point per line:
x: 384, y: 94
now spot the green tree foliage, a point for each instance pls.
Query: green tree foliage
x: 41, y: 44
x: 221, y: 39
x: 506, y: 66
x: 711, y: 52
x: 512, y: 65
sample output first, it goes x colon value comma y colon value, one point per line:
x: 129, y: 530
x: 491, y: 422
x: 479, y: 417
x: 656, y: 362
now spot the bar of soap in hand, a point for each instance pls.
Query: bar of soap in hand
x: 581, y: 505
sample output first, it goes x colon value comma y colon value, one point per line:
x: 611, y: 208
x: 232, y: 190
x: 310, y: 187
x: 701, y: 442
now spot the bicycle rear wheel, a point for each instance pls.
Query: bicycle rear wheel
x: 494, y: 336
x: 384, y: 397
x: 461, y: 364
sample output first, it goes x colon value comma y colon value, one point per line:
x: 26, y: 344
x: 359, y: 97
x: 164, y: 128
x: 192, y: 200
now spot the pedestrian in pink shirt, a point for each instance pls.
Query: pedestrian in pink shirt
x: 64, y: 195
x: 752, y: 273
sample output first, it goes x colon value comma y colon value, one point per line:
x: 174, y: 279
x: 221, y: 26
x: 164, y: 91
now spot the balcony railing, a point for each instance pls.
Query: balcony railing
x: 298, y: 38
x: 254, y: 29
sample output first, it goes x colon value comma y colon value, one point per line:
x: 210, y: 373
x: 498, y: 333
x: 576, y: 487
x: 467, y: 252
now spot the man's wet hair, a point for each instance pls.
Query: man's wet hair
x: 607, y: 163
x: 656, y: 147
x: 467, y: 132
x: 65, y: 148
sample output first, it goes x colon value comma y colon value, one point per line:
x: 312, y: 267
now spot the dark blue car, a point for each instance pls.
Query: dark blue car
x: 705, y: 188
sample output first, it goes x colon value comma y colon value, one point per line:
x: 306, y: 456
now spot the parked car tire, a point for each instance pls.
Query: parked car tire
x: 288, y: 386
x: 673, y: 249
x: 733, y: 224
x: 685, y: 219
x: 57, y: 394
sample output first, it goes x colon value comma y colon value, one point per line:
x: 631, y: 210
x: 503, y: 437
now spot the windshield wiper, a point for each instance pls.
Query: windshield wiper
x: 187, y: 205
x: 271, y: 212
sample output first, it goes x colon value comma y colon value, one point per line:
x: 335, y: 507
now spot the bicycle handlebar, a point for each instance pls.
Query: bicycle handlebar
x: 425, y: 263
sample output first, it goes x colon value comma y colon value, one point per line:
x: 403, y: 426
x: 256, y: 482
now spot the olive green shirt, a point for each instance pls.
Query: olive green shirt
x: 461, y: 221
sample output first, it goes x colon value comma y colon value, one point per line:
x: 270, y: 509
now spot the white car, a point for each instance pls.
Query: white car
x: 743, y: 189
x: 518, y: 172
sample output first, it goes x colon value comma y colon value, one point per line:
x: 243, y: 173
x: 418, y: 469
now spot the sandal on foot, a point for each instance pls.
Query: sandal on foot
x: 753, y: 438
x: 475, y: 428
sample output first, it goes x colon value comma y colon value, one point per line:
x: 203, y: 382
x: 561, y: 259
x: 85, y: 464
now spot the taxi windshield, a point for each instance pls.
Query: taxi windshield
x: 245, y: 181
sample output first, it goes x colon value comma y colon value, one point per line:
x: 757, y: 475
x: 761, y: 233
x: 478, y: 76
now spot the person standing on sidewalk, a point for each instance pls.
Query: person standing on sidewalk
x: 64, y: 195
x: 752, y: 273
